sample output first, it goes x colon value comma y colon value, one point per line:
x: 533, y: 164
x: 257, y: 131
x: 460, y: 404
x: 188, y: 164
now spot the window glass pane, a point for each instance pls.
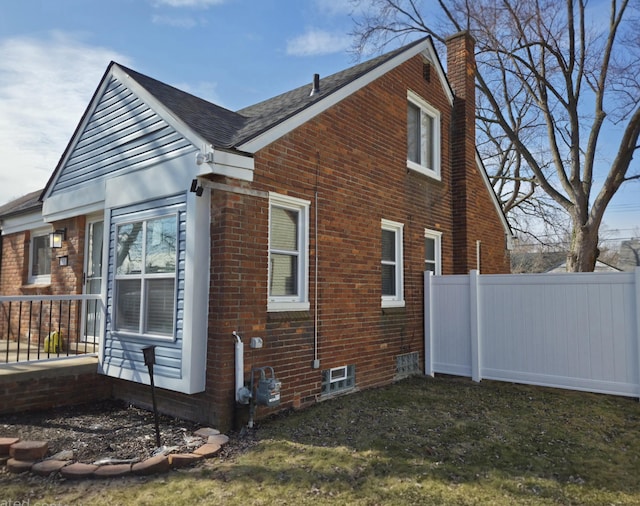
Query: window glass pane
x: 388, y: 245
x: 160, y: 298
x: 427, y: 132
x: 95, y: 250
x: 284, y: 274
x: 129, y: 260
x: 128, y: 304
x: 388, y: 280
x: 413, y: 133
x: 41, y: 256
x: 430, y: 266
x: 430, y: 249
x: 160, y: 255
x: 284, y: 229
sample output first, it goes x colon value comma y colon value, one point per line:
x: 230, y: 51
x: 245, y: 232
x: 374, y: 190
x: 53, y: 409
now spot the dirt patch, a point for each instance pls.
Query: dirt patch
x: 106, y: 429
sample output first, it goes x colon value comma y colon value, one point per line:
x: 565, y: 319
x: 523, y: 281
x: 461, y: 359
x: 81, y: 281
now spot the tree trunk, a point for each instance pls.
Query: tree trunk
x: 584, y: 251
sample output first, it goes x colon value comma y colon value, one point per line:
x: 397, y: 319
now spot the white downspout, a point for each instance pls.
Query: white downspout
x: 239, y: 367
x: 316, y: 360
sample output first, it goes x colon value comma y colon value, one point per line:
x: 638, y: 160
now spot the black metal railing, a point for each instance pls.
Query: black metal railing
x: 46, y: 327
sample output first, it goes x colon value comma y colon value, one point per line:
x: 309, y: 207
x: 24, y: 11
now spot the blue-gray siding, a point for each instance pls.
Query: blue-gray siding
x: 122, y: 133
x: 124, y: 351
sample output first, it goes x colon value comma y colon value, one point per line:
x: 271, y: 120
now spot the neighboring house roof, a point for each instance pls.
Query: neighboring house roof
x: 548, y: 262
x: 23, y: 213
x: 536, y: 262
x: 25, y: 204
x: 629, y: 255
x: 599, y: 267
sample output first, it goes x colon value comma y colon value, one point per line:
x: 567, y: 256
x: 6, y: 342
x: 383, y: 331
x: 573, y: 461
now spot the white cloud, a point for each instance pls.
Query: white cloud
x: 318, y: 42
x: 203, y: 4
x: 336, y: 7
x: 45, y: 86
x: 178, y: 22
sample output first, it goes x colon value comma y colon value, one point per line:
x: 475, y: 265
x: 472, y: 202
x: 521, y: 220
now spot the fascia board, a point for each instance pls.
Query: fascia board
x: 235, y: 165
x: 22, y: 222
x: 82, y: 200
x: 425, y: 48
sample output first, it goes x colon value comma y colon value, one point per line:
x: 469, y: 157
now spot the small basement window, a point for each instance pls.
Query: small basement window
x: 338, y: 379
x: 407, y: 365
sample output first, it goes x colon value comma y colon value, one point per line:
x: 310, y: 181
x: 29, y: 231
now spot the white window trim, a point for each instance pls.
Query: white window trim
x: 301, y: 301
x: 44, y: 279
x: 145, y: 216
x: 398, y: 299
x: 437, y: 237
x: 426, y: 109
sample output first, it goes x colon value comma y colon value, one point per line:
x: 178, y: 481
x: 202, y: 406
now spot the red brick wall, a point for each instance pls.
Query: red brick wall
x: 354, y: 155
x: 475, y: 216
x: 51, y: 388
x: 65, y: 280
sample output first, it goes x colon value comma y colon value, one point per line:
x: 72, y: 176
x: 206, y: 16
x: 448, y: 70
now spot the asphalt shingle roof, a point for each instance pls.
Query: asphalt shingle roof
x: 216, y: 124
x: 26, y: 203
x: 228, y: 129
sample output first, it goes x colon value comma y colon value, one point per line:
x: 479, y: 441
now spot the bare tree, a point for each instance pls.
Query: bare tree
x: 556, y: 80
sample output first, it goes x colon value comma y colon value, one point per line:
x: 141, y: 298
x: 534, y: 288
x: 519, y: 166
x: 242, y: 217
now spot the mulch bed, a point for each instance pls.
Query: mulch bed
x: 106, y: 429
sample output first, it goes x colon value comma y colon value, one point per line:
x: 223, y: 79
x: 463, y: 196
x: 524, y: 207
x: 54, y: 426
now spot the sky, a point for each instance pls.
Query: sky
x: 234, y: 53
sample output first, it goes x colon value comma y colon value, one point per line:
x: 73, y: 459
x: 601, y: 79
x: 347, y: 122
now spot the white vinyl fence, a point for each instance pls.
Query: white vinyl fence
x: 576, y: 331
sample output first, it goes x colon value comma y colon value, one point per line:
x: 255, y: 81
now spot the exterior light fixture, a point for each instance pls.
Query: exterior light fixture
x: 196, y: 188
x: 56, y: 238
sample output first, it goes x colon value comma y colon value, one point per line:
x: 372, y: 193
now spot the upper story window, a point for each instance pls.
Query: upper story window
x: 288, y: 253
x: 145, y: 276
x: 423, y: 136
x: 39, y: 258
x: 432, y: 251
x: 392, y: 265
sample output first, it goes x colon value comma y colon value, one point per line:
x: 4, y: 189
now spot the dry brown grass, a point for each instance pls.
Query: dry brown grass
x: 420, y: 441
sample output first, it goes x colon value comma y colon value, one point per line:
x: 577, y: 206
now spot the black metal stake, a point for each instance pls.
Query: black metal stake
x: 150, y: 359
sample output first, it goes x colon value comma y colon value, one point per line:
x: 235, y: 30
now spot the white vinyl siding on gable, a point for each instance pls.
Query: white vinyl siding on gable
x: 288, y: 254
x: 423, y: 136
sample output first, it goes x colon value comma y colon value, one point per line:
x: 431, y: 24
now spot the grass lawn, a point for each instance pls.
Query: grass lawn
x: 420, y: 441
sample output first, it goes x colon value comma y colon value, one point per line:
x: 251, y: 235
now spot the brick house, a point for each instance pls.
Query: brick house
x: 306, y: 220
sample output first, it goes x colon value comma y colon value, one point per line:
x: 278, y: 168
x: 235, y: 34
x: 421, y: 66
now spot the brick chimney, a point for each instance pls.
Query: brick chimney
x: 461, y: 74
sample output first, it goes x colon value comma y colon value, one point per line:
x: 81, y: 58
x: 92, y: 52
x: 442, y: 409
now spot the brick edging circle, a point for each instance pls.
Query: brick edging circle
x: 21, y: 456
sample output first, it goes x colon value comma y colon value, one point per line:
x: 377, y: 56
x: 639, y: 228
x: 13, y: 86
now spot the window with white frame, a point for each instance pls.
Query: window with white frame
x: 145, y: 276
x: 423, y: 136
x: 288, y: 253
x: 39, y: 257
x: 432, y: 251
x: 392, y: 268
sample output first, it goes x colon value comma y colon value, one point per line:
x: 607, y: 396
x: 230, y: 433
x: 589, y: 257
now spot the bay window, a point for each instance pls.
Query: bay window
x: 145, y: 277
